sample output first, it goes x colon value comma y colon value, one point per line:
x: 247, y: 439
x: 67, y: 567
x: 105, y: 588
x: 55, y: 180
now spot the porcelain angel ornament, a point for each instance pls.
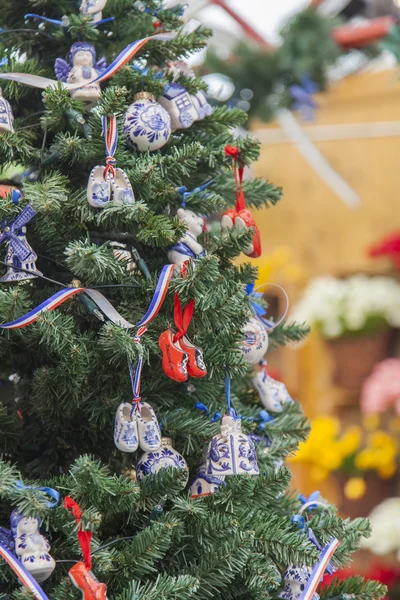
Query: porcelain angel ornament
x: 81, y: 65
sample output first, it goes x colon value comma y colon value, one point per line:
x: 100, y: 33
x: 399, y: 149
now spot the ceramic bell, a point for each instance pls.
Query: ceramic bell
x: 231, y: 452
x: 31, y: 548
x: 147, y: 124
x: 204, y: 484
x: 179, y: 105
x: 255, y: 342
x: 165, y: 457
x: 188, y: 247
x: 6, y: 115
x: 273, y: 394
x: 80, y: 67
x: 296, y: 579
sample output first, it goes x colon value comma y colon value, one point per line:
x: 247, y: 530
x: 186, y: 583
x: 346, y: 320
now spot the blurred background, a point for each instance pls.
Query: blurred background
x: 321, y: 84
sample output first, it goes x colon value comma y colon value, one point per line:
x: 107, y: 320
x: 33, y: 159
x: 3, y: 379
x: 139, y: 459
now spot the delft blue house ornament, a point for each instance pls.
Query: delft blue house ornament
x: 204, y: 484
x: 231, y: 452
x: 179, y: 105
x: 164, y: 457
x: 147, y: 124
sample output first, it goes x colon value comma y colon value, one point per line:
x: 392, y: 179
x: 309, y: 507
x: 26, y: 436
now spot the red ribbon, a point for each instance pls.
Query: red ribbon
x: 84, y: 536
x: 234, y: 152
x: 182, y: 318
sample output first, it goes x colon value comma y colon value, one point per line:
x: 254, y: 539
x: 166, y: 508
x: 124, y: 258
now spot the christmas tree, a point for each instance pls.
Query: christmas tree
x: 120, y: 163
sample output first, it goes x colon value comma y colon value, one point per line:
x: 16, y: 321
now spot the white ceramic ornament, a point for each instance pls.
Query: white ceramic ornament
x: 93, y: 9
x: 147, y: 124
x: 165, y: 457
x: 255, y: 342
x: 32, y: 548
x: 81, y: 67
x: 6, y: 115
x: 122, y: 253
x: 273, y: 394
x: 126, y: 436
x: 231, y: 452
x: 188, y: 247
x: 296, y: 579
x: 201, y: 104
x: 204, y: 484
x: 179, y: 105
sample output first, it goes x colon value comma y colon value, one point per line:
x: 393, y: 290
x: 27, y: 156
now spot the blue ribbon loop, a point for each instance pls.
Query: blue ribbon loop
x: 47, y: 490
x: 314, y: 496
x: 64, y: 23
x: 183, y: 191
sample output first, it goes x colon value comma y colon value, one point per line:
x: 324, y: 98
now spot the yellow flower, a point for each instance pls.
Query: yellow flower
x: 387, y: 471
x: 351, y: 441
x: 382, y: 440
x: 318, y: 474
x: 365, y: 460
x: 324, y: 428
x: 355, y: 488
x: 328, y: 458
x: 371, y: 422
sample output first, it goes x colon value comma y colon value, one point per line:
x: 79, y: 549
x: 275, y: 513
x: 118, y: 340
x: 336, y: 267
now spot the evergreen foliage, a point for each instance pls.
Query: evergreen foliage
x: 56, y: 424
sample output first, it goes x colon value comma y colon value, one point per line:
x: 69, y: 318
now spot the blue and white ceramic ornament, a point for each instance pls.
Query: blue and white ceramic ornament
x: 31, y: 547
x: 179, y: 105
x: 231, y: 452
x: 165, y: 457
x: 19, y: 252
x: 93, y: 9
x: 6, y: 115
x: 81, y: 66
x: 273, y: 394
x: 136, y: 425
x: 188, y: 247
x: 204, y: 484
x: 255, y: 341
x: 147, y: 124
x: 295, y: 581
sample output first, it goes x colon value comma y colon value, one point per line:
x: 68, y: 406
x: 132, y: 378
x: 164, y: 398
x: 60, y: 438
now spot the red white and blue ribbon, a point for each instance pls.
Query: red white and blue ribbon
x: 24, y: 577
x: 123, y: 57
x: 319, y: 570
x: 110, y: 133
x: 136, y: 376
x: 101, y: 301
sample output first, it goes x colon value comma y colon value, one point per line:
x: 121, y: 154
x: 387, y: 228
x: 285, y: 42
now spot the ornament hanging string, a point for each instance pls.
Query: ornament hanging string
x: 101, y: 301
x: 136, y: 376
x: 47, y: 490
x: 227, y: 382
x: 110, y: 133
x: 123, y: 57
x: 238, y: 172
x: 84, y: 536
x: 65, y: 21
x: 319, y: 569
x: 182, y: 318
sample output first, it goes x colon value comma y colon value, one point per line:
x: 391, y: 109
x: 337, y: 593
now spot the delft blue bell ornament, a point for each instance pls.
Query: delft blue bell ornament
x: 231, y: 452
x: 19, y: 252
x: 6, y: 115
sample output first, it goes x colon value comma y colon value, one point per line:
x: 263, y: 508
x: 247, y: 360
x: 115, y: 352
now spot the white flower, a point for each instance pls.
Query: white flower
x: 337, y: 305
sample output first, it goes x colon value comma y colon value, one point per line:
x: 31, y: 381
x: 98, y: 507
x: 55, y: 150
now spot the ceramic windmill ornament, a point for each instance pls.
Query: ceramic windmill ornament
x: 31, y: 547
x: 81, y: 66
x: 147, y: 124
x: 6, y: 115
x: 93, y: 9
x: 109, y: 183
x: 19, y: 252
x: 165, y: 457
